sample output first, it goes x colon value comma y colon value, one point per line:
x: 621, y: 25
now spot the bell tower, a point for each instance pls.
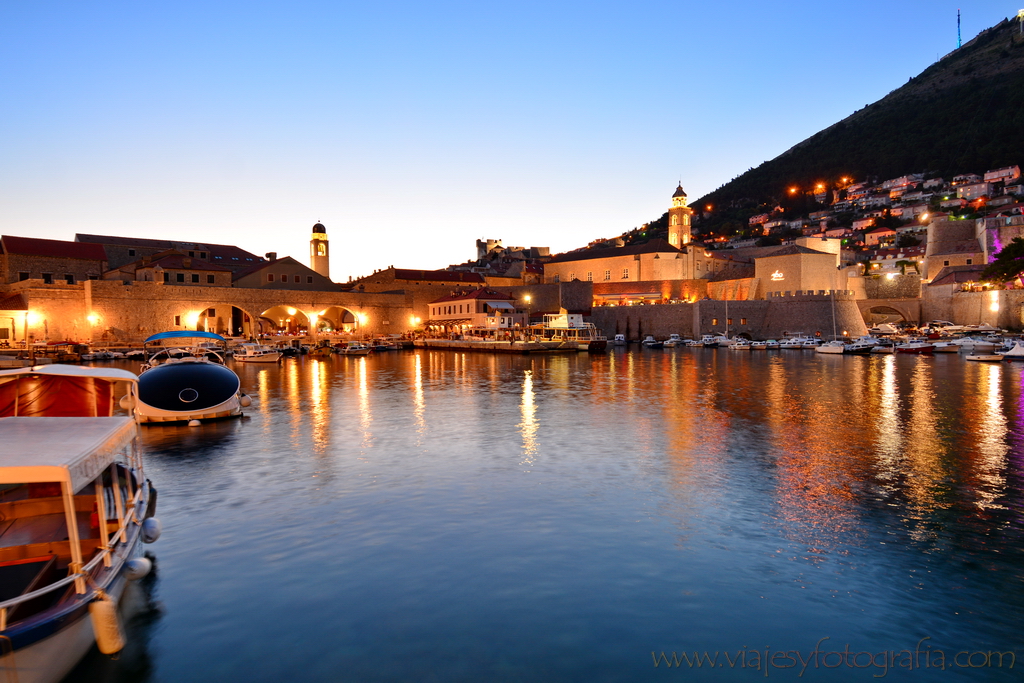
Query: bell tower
x: 679, y: 220
x: 319, y: 251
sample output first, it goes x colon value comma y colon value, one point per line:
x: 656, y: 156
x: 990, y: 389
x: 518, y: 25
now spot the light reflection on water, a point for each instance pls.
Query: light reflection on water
x: 449, y: 516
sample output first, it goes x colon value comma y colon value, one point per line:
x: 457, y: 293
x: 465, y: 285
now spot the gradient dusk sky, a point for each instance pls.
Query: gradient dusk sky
x: 413, y: 129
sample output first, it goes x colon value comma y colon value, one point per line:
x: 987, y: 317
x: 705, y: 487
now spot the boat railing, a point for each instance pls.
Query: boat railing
x: 103, y: 555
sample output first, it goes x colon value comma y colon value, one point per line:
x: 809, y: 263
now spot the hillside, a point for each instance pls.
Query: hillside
x: 963, y: 114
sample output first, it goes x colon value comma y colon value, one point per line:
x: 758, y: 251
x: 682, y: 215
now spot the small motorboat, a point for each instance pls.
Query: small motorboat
x: 915, y: 346
x: 985, y: 357
x: 191, y: 388
x: 834, y: 346
x: 740, y: 344
x: 673, y: 341
x: 77, y: 508
x: 355, y: 349
x: 651, y: 343
x: 256, y: 353
x: 620, y: 340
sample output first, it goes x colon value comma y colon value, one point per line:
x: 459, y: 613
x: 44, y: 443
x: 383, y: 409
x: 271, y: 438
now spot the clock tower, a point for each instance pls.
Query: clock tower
x: 319, y: 251
x: 679, y: 220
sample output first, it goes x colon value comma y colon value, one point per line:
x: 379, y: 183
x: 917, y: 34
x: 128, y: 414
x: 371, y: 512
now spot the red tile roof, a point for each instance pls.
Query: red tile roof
x: 31, y: 246
x: 15, y: 302
x: 482, y: 293
x: 437, y: 275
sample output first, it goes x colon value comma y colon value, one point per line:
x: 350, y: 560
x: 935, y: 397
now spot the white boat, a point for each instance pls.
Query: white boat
x: 811, y: 343
x: 862, y: 345
x: 944, y: 347
x: 76, y: 507
x: 794, y: 342
x: 740, y: 344
x: 355, y: 349
x: 650, y: 342
x: 985, y: 357
x: 1016, y: 352
x: 673, y: 341
x: 772, y: 345
x: 196, y: 386
x: 619, y: 340
x: 835, y: 346
x: 884, y: 347
x: 758, y: 346
x: 256, y: 353
x: 564, y: 330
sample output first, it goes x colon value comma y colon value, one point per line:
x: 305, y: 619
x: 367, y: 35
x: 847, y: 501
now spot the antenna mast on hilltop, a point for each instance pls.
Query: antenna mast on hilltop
x: 958, y: 28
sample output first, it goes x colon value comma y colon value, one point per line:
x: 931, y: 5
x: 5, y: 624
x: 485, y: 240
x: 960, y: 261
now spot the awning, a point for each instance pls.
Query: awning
x: 501, y: 304
x: 184, y: 334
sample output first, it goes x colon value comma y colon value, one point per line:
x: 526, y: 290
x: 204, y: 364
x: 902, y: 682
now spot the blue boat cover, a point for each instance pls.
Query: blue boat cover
x: 184, y: 334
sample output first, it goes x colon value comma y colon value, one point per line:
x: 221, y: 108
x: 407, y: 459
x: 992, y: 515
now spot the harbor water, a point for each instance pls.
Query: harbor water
x: 450, y: 516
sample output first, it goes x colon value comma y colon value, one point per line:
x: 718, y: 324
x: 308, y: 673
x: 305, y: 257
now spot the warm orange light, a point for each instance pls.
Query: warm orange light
x: 792, y: 190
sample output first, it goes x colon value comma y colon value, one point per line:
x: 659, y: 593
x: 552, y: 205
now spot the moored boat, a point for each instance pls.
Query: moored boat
x: 914, y: 346
x: 834, y: 346
x: 984, y: 357
x: 256, y: 353
x: 194, y: 386
x: 76, y: 507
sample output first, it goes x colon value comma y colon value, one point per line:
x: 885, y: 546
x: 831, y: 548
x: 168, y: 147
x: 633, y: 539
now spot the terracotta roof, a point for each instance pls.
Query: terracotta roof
x: 957, y: 274
x: 269, y: 265
x: 223, y: 253
x: 964, y: 247
x: 482, y: 293
x: 31, y: 246
x: 176, y: 261
x: 15, y: 302
x: 655, y: 246
x: 437, y: 275
x: 795, y: 249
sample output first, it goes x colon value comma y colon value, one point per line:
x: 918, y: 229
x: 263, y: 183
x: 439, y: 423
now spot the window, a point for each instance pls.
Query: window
x: 743, y: 321
x: 23, y: 276
x: 697, y: 266
x: 47, y: 278
x: 179, y: 277
x: 195, y: 278
x: 309, y: 279
x: 557, y: 279
x: 607, y: 275
x: 192, y: 254
x: 270, y: 277
x: 625, y: 273
x: 728, y: 321
x: 298, y: 279
x: 209, y: 279
x: 284, y: 278
x: 70, y: 279
x: 970, y: 261
x: 590, y: 276
x: 714, y: 321
x: 202, y: 254
x: 211, y: 312
x: 167, y: 277
x: 177, y: 320
x: 945, y: 263
x: 131, y: 252
x: 94, y: 277
x: 572, y: 276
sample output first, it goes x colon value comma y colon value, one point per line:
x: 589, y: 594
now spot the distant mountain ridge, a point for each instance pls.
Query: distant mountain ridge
x: 963, y: 114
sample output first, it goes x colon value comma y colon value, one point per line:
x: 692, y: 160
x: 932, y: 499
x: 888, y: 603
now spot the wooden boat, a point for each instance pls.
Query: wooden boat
x: 77, y: 508
x: 985, y: 357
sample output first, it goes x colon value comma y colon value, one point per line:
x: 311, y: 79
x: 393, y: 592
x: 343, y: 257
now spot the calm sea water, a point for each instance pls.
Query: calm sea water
x: 438, y: 516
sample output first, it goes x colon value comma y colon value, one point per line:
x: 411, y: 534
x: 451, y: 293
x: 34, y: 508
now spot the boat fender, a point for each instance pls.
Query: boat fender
x: 151, y: 529
x: 194, y: 423
x: 106, y: 625
x: 127, y: 402
x: 137, y: 568
x: 245, y: 401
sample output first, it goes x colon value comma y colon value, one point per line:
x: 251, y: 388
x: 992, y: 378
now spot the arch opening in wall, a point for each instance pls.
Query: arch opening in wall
x: 876, y: 315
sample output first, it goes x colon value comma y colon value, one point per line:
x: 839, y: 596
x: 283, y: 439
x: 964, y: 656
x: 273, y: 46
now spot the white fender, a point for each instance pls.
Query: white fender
x: 245, y: 401
x: 137, y: 568
x: 151, y: 529
x: 106, y: 625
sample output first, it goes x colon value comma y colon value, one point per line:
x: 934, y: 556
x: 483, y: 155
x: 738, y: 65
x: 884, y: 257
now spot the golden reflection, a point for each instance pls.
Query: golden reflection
x: 991, y: 435
x: 528, y: 425
x: 263, y: 391
x: 888, y: 425
x: 925, y: 472
x: 365, y: 417
x: 419, y: 406
x: 318, y: 409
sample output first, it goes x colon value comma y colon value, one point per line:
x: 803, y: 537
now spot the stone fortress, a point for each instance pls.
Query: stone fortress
x: 108, y: 289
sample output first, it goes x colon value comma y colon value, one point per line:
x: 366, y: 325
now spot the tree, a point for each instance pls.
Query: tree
x: 1009, y: 263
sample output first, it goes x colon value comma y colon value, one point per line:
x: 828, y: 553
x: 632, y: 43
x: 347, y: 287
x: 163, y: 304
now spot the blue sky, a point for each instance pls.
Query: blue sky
x: 413, y: 129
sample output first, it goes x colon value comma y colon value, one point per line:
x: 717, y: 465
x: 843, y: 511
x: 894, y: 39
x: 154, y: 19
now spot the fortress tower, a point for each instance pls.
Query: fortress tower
x: 319, y: 251
x: 679, y: 220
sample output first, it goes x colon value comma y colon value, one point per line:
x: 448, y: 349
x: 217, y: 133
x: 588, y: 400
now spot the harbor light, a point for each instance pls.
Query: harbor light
x: 192, y: 319
x: 415, y: 321
x: 32, y: 318
x: 93, y: 318
x: 362, y: 317
x: 993, y: 298
x: 291, y: 311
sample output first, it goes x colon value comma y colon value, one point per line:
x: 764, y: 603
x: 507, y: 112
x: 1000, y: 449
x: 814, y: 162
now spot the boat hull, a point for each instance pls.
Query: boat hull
x: 188, y: 390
